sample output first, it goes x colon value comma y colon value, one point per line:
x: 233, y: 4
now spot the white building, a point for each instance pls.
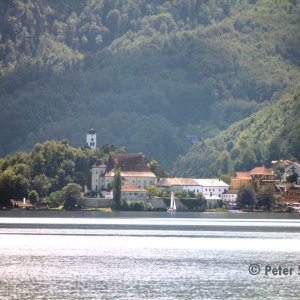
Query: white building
x: 91, y: 139
x: 212, y: 187
x: 98, y: 179
x: 213, y: 201
x: 229, y: 198
x: 130, y: 192
x: 208, y: 187
x: 133, y: 169
x: 179, y: 184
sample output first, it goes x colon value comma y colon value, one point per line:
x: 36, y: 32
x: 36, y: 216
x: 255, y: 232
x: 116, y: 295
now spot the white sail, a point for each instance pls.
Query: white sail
x: 172, y: 203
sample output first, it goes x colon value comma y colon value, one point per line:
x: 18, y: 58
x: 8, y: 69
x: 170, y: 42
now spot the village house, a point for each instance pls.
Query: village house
x: 286, y: 168
x: 289, y: 193
x: 178, y: 184
x: 129, y: 192
x: 133, y: 169
x: 240, y: 179
x: 207, y: 187
x: 212, y: 188
x: 292, y: 168
x: 261, y: 176
x: 229, y: 198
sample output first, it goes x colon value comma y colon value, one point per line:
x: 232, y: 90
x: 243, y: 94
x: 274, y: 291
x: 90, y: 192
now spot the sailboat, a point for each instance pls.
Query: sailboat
x: 172, y: 208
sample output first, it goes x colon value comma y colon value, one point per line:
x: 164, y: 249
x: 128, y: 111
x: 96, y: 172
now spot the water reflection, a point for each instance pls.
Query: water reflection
x: 174, y: 258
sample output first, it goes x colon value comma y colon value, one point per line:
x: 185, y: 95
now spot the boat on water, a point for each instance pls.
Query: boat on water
x: 172, y: 208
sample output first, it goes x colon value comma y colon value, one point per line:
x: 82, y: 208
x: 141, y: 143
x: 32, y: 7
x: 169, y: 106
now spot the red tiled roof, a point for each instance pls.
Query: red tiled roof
x: 261, y: 171
x: 127, y: 163
x: 131, y: 188
x: 242, y: 175
x: 131, y: 174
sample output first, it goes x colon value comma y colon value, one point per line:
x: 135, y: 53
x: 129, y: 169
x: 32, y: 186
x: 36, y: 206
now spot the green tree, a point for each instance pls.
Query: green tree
x: 226, y: 178
x: 7, y: 187
x: 21, y: 187
x: 267, y: 199
x: 55, y: 199
x: 157, y: 169
x: 153, y: 191
x: 117, y: 186
x: 246, y: 198
x: 200, y: 196
x: 72, y: 196
x: 42, y: 184
x: 33, y: 197
x: 181, y: 194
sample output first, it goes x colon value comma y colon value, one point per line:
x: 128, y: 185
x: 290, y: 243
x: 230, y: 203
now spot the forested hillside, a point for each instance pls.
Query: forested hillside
x: 48, y: 168
x: 268, y: 135
x: 145, y: 74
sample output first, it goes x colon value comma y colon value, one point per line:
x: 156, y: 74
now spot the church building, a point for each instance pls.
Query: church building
x: 133, y: 169
x: 91, y: 139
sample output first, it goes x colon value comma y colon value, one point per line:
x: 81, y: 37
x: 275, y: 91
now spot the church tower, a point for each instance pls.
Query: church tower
x: 91, y: 140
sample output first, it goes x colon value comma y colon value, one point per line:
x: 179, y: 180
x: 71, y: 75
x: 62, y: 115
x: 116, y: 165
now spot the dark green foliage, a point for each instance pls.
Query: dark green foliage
x: 266, y: 199
x: 117, y: 186
x: 194, y: 203
x: 72, y: 195
x: 33, y: 196
x: 136, y: 206
x: 292, y: 178
x: 246, y: 198
x: 55, y: 199
x: 146, y: 74
x: 7, y: 187
x: 158, y: 170
x: 267, y: 135
x: 47, y: 168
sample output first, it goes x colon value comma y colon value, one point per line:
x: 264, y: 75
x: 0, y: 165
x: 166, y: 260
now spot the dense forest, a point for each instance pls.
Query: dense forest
x: 48, y: 168
x: 268, y: 135
x: 51, y: 167
x: 149, y: 74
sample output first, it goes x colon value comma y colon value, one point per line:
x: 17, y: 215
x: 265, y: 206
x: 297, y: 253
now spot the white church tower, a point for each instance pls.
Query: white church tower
x: 91, y: 139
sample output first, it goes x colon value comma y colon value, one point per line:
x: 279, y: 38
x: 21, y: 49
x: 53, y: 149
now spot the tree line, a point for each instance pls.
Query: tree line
x: 146, y: 73
x: 46, y: 170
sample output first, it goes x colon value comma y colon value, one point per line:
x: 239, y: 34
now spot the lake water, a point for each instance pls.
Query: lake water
x: 148, y: 256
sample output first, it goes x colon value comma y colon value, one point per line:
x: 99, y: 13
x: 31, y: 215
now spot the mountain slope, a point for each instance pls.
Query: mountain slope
x: 272, y: 133
x: 145, y: 74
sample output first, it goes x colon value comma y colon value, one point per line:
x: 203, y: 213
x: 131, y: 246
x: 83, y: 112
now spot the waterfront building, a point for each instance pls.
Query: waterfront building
x: 207, y: 186
x: 133, y: 169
